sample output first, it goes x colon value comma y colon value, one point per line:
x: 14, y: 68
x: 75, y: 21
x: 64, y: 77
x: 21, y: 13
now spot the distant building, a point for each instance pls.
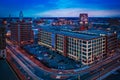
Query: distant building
x: 83, y: 21
x: 61, y: 22
x: 85, y: 46
x: 3, y: 40
x: 21, y: 31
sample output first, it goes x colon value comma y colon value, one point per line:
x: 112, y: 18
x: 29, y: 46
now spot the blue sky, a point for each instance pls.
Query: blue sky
x: 60, y: 8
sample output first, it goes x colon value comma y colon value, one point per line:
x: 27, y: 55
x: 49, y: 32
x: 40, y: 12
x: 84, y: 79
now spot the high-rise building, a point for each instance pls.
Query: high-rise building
x: 21, y: 15
x: 21, y: 31
x: 85, y: 46
x: 83, y: 21
x: 2, y: 40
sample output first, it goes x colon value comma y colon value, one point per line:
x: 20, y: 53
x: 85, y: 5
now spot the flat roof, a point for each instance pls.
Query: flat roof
x: 71, y: 34
x: 96, y: 32
x: 78, y: 35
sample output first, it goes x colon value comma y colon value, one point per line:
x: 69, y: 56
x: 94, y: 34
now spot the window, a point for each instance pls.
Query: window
x: 89, y: 54
x: 89, y: 46
x: 84, y: 42
x: 84, y: 49
x: 84, y: 46
x: 89, y: 49
x: 89, y: 42
x: 84, y: 53
x: 84, y: 57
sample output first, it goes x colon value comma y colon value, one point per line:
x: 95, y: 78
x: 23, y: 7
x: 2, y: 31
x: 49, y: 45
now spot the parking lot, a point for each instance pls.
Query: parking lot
x: 51, y: 58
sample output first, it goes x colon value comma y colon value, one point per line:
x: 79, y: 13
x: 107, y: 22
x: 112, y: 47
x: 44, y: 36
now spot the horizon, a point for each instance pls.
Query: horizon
x: 58, y: 17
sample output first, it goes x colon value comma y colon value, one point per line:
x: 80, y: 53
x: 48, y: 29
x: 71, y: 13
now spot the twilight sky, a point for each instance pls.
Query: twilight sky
x: 60, y: 8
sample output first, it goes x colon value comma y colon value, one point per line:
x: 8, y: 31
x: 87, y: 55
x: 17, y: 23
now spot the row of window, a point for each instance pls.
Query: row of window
x: 59, y: 48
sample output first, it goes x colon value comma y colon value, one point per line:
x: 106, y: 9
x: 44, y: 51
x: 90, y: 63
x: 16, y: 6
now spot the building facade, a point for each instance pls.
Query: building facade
x: 86, y: 47
x: 112, y: 43
x: 45, y: 38
x: 2, y: 41
x: 21, y: 32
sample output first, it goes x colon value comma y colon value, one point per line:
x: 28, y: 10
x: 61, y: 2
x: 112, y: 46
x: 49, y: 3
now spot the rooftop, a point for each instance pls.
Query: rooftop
x: 87, y: 34
x: 96, y: 32
x: 78, y: 35
x: 71, y: 33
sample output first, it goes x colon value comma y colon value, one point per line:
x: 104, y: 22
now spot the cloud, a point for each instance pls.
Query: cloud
x: 74, y: 12
x: 56, y: 8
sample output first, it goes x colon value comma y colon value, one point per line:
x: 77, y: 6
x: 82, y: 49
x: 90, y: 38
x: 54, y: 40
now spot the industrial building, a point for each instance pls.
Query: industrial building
x: 85, y: 46
x: 21, y: 31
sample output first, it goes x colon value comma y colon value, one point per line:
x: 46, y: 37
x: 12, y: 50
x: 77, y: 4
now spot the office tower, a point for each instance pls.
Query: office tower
x: 21, y: 31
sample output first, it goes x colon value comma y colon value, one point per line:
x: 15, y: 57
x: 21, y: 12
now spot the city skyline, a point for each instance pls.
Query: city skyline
x: 52, y: 47
x: 60, y: 8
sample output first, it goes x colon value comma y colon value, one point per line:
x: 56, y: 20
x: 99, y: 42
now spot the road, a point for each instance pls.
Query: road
x: 26, y: 68
x: 95, y: 74
x: 30, y: 67
x: 39, y: 71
